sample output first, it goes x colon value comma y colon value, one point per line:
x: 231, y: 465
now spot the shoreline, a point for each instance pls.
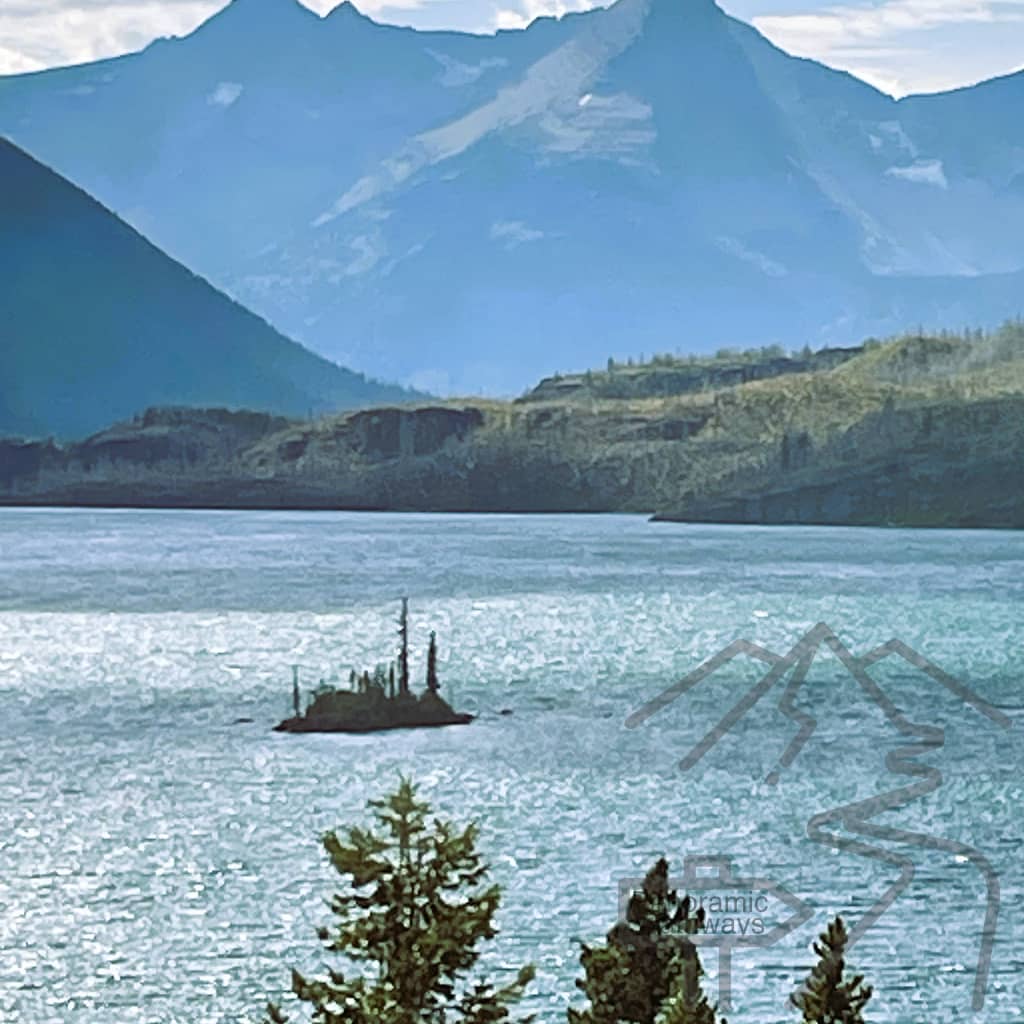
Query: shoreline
x: 155, y: 505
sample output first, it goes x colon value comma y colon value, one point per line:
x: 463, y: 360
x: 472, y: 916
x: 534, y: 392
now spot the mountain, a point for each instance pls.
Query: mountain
x: 98, y: 323
x: 923, y: 431
x: 472, y: 212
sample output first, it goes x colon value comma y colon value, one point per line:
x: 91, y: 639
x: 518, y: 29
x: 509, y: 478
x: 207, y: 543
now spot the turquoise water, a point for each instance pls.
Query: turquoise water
x: 160, y: 863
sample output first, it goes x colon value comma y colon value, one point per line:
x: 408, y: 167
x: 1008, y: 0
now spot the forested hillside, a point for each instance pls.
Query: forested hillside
x: 97, y: 324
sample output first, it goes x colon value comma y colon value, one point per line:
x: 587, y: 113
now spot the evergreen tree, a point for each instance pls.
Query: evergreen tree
x: 825, y: 997
x: 415, y: 909
x: 689, y: 1005
x: 432, y: 684
x: 403, y: 652
x: 648, y: 958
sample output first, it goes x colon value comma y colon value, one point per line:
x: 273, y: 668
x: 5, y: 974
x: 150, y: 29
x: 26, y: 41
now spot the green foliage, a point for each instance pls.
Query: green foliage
x: 688, y: 1005
x: 826, y: 998
x: 415, y: 910
x: 649, y: 964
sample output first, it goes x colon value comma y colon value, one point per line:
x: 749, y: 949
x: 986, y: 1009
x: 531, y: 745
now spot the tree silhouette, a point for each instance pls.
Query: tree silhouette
x: 649, y: 964
x: 432, y: 684
x: 825, y: 998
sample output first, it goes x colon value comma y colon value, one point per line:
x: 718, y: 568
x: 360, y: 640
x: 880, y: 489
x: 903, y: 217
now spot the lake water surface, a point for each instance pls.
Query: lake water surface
x: 159, y: 863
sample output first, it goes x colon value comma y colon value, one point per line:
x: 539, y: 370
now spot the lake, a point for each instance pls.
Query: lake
x: 161, y: 863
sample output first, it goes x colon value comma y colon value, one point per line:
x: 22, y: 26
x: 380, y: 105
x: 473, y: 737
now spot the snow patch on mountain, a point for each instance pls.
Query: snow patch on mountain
x: 566, y: 71
x: 922, y: 172
x: 605, y: 126
x: 767, y: 266
x: 455, y: 73
x: 894, y: 130
x: 225, y: 95
x: 514, y: 233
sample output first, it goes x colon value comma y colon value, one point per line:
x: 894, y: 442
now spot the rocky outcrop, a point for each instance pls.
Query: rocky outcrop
x: 187, y: 437
x: 397, y: 433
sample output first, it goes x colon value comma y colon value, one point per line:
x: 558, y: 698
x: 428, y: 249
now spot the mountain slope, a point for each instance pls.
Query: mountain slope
x: 473, y: 212
x: 97, y: 323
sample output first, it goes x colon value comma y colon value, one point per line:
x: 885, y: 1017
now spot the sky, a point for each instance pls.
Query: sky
x: 900, y: 46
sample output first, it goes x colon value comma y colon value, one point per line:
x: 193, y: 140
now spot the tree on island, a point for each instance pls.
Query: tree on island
x: 403, y: 651
x: 432, y: 684
x: 825, y: 998
x: 415, y: 909
x: 648, y: 971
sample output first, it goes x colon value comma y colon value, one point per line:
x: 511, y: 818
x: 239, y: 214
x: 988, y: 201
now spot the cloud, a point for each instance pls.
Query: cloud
x: 50, y: 33
x: 530, y: 10
x: 902, y: 45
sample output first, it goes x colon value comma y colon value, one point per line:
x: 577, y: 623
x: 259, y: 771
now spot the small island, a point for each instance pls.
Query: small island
x: 379, y: 701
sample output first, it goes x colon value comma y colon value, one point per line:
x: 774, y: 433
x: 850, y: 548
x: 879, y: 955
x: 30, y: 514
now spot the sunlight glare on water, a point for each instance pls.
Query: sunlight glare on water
x: 160, y: 863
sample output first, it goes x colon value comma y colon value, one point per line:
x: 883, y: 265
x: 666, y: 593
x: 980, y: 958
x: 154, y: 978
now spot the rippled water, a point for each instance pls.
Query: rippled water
x: 160, y: 863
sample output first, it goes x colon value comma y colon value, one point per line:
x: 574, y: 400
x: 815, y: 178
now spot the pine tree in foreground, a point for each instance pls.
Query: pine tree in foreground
x: 689, y: 1005
x: 415, y: 909
x: 649, y: 964
x: 826, y: 998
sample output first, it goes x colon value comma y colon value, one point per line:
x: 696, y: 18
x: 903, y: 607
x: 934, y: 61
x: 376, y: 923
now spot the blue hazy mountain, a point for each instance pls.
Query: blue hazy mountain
x: 476, y: 211
x: 97, y: 323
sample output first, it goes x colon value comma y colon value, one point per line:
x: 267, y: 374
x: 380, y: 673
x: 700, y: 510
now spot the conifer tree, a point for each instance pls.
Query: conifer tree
x: 825, y: 997
x: 646, y: 960
x: 414, y: 911
x: 689, y: 1004
x: 432, y: 683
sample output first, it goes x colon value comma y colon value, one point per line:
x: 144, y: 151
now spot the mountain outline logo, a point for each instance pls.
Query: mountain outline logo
x: 856, y: 817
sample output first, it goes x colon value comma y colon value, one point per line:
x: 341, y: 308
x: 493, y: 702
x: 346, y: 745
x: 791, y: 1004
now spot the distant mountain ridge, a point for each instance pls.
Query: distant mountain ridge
x: 474, y: 212
x: 96, y: 324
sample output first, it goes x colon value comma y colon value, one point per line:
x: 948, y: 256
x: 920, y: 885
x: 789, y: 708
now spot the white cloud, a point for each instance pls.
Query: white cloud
x: 891, y: 43
x: 225, y: 94
x: 49, y: 33
x: 530, y: 10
